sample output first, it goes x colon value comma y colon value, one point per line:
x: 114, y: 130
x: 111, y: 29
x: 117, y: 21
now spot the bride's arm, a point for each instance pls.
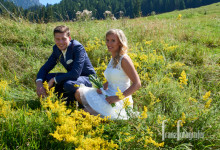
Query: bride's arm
x: 105, y: 86
x: 128, y: 67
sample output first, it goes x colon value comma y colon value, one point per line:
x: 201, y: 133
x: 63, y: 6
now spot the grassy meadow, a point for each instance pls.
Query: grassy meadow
x: 176, y: 54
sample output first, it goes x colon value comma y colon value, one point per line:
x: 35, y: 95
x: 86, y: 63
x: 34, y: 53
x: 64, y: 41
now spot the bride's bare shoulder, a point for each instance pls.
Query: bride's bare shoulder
x: 126, y: 61
x: 126, y: 58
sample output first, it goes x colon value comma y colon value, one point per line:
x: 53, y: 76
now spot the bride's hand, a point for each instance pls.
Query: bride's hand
x: 105, y: 86
x: 99, y: 91
x: 112, y: 99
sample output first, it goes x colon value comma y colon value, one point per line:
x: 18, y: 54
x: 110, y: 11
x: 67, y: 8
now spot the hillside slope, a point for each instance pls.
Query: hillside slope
x: 67, y: 9
x: 25, y: 46
x: 176, y: 54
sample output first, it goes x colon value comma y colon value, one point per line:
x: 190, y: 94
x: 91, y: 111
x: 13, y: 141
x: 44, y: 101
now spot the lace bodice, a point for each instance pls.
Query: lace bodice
x: 116, y: 77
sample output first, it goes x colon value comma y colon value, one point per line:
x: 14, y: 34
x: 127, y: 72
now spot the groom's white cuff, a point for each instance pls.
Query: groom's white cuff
x: 42, y: 80
x: 39, y: 80
x: 55, y: 80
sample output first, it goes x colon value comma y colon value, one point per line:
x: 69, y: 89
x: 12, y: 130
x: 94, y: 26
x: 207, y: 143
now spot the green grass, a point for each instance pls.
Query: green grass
x: 26, y: 46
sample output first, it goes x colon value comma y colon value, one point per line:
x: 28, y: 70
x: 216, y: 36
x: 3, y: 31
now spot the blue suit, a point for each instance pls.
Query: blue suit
x: 78, y: 68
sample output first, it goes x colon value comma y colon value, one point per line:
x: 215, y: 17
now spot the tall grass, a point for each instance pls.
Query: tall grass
x: 162, y: 47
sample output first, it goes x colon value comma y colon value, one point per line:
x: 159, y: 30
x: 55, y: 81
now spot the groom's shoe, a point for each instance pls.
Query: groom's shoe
x: 81, y: 106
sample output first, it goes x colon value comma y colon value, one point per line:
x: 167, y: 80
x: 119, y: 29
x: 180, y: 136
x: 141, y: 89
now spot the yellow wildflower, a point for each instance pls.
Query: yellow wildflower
x: 16, y: 80
x: 120, y: 140
x: 48, y: 115
x: 207, y: 105
x: 153, y: 100
x: 148, y: 42
x: 193, y: 99
x: 146, y: 76
x: 103, y: 42
x: 183, y: 118
x: 119, y: 94
x: 76, y: 85
x: 149, y: 131
x: 207, y: 95
x: 61, y: 96
x: 139, y: 140
x: 183, y: 79
x: 132, y: 55
x: 129, y: 138
x: 150, y: 140
x: 45, y: 84
x: 143, y: 57
x: 127, y: 103
x: 175, y: 65
x: 179, y: 17
x: 104, y: 80
x: 144, y: 113
x: 171, y: 48
x: 139, y: 125
x: 166, y: 79
x: 136, y: 64
x: 78, y: 127
x: 126, y: 133
x: 152, y: 96
x: 193, y: 118
x: 160, y: 119
x: 3, y: 86
x: 5, y: 107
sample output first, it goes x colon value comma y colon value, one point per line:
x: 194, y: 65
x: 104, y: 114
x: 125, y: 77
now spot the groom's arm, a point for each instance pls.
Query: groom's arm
x: 47, y: 67
x: 78, y: 63
x: 41, y: 76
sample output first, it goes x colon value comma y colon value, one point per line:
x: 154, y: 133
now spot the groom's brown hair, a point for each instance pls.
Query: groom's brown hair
x: 62, y: 29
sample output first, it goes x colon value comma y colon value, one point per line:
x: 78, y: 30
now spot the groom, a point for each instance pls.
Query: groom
x: 72, y: 55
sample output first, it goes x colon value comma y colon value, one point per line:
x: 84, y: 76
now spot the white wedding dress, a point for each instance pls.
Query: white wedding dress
x: 96, y: 104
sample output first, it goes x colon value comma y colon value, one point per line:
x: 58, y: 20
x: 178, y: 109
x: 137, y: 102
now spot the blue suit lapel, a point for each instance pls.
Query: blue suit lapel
x: 60, y: 57
x: 69, y: 53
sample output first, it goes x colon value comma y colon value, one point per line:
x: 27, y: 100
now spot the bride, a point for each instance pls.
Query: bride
x: 119, y: 72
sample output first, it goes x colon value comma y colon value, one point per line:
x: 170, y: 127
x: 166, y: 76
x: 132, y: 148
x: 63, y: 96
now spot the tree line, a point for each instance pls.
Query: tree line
x: 67, y: 10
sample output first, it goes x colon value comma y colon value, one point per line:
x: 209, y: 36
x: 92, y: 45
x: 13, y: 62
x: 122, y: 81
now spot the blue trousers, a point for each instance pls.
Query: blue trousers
x: 67, y: 87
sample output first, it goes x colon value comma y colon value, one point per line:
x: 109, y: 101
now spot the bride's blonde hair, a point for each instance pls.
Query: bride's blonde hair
x: 123, y: 40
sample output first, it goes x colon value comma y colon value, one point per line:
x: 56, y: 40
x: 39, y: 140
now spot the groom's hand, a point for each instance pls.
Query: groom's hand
x: 40, y: 89
x: 51, y: 83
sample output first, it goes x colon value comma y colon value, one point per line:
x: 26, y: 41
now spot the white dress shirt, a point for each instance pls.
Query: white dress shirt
x: 64, y: 55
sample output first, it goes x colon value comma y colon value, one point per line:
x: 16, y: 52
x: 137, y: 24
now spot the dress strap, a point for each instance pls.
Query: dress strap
x: 110, y: 65
x: 122, y: 57
x: 119, y: 63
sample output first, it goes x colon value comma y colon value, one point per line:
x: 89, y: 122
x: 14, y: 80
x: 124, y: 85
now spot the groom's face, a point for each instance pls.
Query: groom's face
x: 62, y: 40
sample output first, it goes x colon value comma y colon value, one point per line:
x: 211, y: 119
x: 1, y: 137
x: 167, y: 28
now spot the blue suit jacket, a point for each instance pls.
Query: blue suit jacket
x: 80, y: 64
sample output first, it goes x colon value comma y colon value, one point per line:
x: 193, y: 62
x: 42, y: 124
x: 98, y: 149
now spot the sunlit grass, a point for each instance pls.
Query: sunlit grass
x: 177, y: 59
